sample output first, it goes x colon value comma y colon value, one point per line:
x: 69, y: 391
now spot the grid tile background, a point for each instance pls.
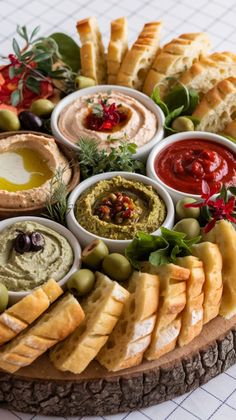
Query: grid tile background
x: 217, y: 399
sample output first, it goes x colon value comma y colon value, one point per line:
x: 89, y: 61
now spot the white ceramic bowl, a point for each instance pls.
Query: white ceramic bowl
x: 15, y: 296
x: 175, y: 194
x: 142, y: 152
x: 115, y: 245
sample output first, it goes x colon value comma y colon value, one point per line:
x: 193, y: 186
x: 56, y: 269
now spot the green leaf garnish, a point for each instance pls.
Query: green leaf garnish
x: 69, y: 50
x: 155, y: 96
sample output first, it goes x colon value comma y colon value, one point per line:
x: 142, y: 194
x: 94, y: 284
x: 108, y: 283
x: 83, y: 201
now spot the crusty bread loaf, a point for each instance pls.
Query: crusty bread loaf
x: 224, y: 235
x: 53, y: 326
x: 102, y: 309
x: 217, y: 107
x: 93, y: 63
x: 209, y: 70
x: 174, y: 58
x: 192, y: 315
x: 117, y: 48
x: 210, y: 255
x: 172, y: 301
x: 16, y: 318
x: 230, y: 129
x: 139, y: 58
x: 132, y: 334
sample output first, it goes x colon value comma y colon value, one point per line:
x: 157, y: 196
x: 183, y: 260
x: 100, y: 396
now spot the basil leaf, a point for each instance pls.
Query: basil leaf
x: 15, y: 97
x: 172, y: 115
x: 69, y: 50
x: 159, y: 257
x: 155, y: 96
x: 177, y: 97
x: 193, y: 101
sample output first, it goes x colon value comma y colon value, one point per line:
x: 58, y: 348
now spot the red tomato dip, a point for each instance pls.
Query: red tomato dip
x: 184, y: 164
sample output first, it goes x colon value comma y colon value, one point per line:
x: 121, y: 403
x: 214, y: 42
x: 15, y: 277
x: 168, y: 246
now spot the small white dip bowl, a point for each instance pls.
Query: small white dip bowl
x: 143, y: 151
x: 202, y: 135
x: 115, y: 245
x: 16, y: 296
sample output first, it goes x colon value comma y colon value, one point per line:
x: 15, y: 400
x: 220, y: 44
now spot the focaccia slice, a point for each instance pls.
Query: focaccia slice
x: 55, y: 325
x: 174, y: 58
x: 230, y: 129
x: 217, y: 107
x: 117, y: 48
x: 93, y: 63
x: 132, y: 334
x: 102, y: 309
x: 20, y: 315
x: 168, y: 322
x: 210, y: 255
x: 139, y: 58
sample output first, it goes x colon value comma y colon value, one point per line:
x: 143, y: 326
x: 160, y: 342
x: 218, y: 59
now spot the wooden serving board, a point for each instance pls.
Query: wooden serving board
x: 40, y: 388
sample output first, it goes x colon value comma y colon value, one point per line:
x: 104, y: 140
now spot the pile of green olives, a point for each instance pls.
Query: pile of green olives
x: 187, y: 218
x: 34, y: 119
x: 96, y: 257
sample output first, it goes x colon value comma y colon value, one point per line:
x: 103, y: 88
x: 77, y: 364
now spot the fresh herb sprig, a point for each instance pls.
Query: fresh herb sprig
x: 159, y: 250
x: 94, y: 161
x: 57, y: 205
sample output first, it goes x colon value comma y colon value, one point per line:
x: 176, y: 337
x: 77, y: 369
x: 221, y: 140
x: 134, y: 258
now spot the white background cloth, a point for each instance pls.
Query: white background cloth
x: 217, y: 399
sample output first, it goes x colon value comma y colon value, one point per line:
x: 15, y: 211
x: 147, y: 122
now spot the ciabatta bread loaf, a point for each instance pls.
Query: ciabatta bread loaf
x: 224, y: 235
x: 117, y: 48
x: 217, y: 107
x: 192, y: 315
x: 102, y: 310
x: 93, y: 63
x: 210, y: 255
x: 16, y: 318
x: 204, y: 74
x: 53, y: 326
x: 139, y: 58
x: 172, y: 301
x: 132, y: 334
x: 174, y: 58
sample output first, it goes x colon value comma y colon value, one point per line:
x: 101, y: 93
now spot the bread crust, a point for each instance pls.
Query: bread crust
x: 117, y: 48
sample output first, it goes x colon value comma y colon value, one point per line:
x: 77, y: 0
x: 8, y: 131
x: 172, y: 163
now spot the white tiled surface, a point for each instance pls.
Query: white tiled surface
x: 217, y: 399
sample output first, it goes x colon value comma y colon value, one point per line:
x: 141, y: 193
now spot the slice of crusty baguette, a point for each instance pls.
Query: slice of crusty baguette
x: 168, y: 322
x: 210, y: 255
x: 217, y: 107
x: 53, y: 326
x: 117, y: 48
x: 224, y: 235
x: 16, y: 318
x: 132, y: 334
x: 174, y: 58
x: 209, y: 70
x: 102, y: 309
x: 139, y: 58
x: 93, y: 63
x: 192, y: 315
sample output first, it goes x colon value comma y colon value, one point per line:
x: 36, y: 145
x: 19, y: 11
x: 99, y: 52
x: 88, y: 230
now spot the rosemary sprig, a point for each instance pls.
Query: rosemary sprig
x: 57, y: 205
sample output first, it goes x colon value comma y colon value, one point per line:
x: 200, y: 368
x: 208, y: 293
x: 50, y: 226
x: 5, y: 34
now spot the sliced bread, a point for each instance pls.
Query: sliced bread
x: 132, y: 334
x: 230, y: 129
x: 102, y: 310
x: 117, y: 48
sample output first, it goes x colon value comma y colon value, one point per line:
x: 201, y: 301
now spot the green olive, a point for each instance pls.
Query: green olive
x: 117, y: 267
x: 3, y: 297
x: 183, y: 212
x: 182, y: 124
x: 42, y: 107
x: 9, y: 120
x: 94, y: 253
x: 82, y: 82
x: 81, y: 282
x: 189, y: 226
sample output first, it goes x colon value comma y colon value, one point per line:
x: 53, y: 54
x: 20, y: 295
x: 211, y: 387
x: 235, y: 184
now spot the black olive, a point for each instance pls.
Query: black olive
x: 22, y: 243
x: 29, y: 121
x: 37, y: 241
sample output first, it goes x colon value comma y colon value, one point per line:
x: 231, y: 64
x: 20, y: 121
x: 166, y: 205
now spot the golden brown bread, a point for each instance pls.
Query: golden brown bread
x: 230, y: 129
x: 172, y: 301
x: 117, y: 48
x: 18, y: 317
x: 53, y: 326
x: 102, y: 310
x: 139, y: 58
x: 209, y: 70
x: 132, y: 334
x: 174, y: 58
x: 217, y: 107
x: 210, y: 255
x: 93, y: 63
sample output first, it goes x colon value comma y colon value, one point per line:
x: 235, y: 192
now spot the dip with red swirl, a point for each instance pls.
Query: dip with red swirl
x: 184, y: 164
